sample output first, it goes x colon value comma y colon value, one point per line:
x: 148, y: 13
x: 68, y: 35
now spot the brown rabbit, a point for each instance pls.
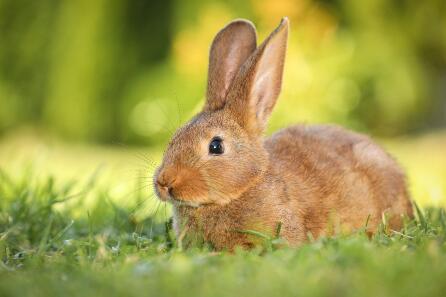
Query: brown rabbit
x: 223, y: 177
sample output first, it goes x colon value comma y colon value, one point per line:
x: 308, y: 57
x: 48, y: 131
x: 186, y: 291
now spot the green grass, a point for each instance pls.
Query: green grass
x: 54, y: 242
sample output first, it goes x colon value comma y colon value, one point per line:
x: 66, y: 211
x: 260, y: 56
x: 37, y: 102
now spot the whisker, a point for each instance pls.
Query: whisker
x: 167, y: 116
x: 153, y: 216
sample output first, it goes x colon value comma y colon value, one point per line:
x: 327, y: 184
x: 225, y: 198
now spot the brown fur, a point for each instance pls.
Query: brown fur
x: 312, y: 180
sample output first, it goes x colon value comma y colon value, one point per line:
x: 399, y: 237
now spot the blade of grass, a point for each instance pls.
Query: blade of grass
x: 46, y: 234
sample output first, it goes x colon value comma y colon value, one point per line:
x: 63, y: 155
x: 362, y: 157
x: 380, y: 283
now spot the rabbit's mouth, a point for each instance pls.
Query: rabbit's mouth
x: 179, y: 202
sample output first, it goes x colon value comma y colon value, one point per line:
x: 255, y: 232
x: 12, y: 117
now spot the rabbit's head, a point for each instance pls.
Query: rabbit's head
x: 220, y: 153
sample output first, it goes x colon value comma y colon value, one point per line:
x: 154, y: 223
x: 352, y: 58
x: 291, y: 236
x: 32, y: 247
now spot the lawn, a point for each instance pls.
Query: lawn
x: 104, y: 235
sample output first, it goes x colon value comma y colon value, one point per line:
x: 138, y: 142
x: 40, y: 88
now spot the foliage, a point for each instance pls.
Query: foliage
x: 48, y: 249
x: 133, y: 70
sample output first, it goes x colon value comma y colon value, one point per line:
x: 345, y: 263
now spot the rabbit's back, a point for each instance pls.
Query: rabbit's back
x: 338, y: 178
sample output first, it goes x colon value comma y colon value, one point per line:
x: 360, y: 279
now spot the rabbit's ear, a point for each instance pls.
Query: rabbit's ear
x: 231, y: 47
x: 257, y: 86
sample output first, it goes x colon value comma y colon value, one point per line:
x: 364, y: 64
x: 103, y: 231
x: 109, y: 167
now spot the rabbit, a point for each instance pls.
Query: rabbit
x: 223, y: 177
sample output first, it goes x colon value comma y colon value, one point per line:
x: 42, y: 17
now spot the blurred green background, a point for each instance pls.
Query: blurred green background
x: 105, y: 71
x: 79, y: 78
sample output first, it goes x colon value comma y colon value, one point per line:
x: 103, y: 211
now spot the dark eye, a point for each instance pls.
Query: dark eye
x: 216, y: 146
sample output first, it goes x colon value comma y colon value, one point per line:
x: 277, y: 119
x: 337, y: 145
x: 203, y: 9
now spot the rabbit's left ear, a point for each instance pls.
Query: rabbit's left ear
x: 231, y: 47
x: 258, y: 84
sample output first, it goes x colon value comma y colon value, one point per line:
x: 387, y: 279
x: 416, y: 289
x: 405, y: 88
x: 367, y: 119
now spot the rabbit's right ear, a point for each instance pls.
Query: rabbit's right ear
x: 230, y: 49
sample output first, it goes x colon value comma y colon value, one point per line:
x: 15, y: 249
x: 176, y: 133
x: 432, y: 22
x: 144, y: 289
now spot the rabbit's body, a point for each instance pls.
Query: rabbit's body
x: 225, y: 179
x: 320, y: 180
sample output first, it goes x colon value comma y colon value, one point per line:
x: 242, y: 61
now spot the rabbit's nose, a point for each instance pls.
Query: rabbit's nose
x: 164, y: 188
x: 161, y: 184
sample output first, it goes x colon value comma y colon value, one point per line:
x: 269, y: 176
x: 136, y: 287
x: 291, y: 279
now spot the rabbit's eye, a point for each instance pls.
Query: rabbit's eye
x: 216, y: 146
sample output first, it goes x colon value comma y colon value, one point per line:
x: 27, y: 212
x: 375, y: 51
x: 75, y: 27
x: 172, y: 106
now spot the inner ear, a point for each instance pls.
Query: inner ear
x: 257, y: 86
x: 230, y: 49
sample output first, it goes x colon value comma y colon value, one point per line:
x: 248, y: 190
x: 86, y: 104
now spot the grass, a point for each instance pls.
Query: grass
x: 54, y: 241
x: 102, y: 234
